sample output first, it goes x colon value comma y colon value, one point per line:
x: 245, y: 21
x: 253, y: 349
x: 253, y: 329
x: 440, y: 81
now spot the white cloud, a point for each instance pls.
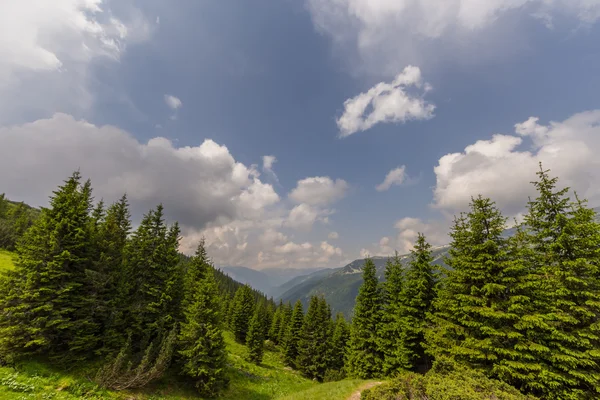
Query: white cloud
x: 267, y: 166
x: 319, y: 191
x: 388, y: 102
x: 203, y: 187
x: 173, y: 102
x: 397, y: 176
x: 503, y: 166
x: 47, y: 47
x: 303, y: 216
x: 333, y: 235
x: 386, y: 34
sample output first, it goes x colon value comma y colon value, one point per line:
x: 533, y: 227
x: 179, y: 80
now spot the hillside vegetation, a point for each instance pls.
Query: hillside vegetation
x: 6, y: 260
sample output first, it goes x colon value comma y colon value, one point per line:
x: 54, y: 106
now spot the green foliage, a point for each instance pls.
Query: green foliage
x: 417, y: 296
x: 255, y: 339
x: 445, y: 382
x: 314, y: 346
x: 243, y: 310
x: 201, y: 342
x: 390, y: 327
x: 293, y: 335
x: 276, y: 324
x: 364, y: 359
x: 339, y: 341
x: 286, y: 317
x: 15, y: 219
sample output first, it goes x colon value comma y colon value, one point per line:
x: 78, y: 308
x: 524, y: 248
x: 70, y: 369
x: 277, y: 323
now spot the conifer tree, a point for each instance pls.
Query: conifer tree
x: 243, y: 311
x: 478, y: 305
x: 255, y: 339
x: 49, y: 309
x: 416, y: 301
x: 339, y: 341
x: 286, y: 317
x: 390, y: 329
x: 201, y: 342
x: 276, y: 324
x: 364, y: 358
x: 292, y: 335
x: 561, y: 333
x: 153, y: 276
x: 314, y: 351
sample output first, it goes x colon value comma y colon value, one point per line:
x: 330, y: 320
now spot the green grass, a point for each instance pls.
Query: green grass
x: 6, y: 260
x: 333, y: 390
x: 271, y: 380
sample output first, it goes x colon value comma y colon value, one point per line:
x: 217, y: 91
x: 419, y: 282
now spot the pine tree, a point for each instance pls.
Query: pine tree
x: 314, y: 351
x: 107, y: 278
x: 416, y: 301
x: 365, y: 359
x: 339, y: 341
x: 49, y: 309
x: 292, y: 335
x: 390, y: 329
x: 561, y: 333
x: 153, y: 276
x: 243, y: 310
x: 286, y: 317
x: 255, y: 339
x: 276, y: 324
x: 479, y: 302
x: 201, y: 342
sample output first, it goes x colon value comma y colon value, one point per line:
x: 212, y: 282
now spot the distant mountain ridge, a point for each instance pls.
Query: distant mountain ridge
x: 340, y: 285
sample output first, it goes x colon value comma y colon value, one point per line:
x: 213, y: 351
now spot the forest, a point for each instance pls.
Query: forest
x: 511, y: 317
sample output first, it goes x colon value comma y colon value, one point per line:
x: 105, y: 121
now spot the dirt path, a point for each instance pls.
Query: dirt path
x: 356, y: 395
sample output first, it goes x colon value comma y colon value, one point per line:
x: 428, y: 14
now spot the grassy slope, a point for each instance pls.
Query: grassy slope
x: 6, y: 260
x: 271, y: 380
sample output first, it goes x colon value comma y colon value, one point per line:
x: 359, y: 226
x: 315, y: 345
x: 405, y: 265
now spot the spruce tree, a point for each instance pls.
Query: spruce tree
x: 479, y: 303
x: 243, y: 310
x: 276, y: 324
x: 314, y: 351
x: 390, y: 328
x: 292, y: 335
x: 201, y: 342
x: 365, y: 359
x: 49, y: 309
x: 416, y: 301
x: 561, y: 333
x: 255, y: 338
x: 339, y: 341
x: 286, y: 317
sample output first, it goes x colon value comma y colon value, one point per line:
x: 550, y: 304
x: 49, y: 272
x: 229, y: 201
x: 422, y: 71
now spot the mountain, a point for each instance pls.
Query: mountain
x: 340, y: 286
x: 268, y: 280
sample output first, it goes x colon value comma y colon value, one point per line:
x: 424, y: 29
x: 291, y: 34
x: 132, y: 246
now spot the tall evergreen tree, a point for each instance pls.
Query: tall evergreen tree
x: 416, y: 300
x: 292, y: 335
x: 49, y: 309
x: 339, y: 341
x: 286, y: 317
x: 255, y: 338
x: 479, y: 303
x: 314, y: 351
x: 364, y: 358
x: 201, y: 342
x: 390, y: 328
x: 561, y: 333
x: 243, y: 310
x: 276, y: 324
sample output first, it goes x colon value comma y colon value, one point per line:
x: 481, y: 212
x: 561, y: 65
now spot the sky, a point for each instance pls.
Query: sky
x: 300, y: 133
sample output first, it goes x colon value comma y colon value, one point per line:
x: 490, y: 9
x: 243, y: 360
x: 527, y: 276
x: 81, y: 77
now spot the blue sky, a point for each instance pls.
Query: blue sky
x: 86, y: 84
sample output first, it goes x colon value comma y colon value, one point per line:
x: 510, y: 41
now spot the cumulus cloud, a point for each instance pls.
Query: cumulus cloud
x: 267, y: 166
x: 387, y: 102
x: 388, y: 34
x: 397, y: 176
x: 197, y: 184
x: 503, y: 167
x: 319, y: 191
x: 173, y: 102
x: 47, y: 48
x: 203, y: 187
